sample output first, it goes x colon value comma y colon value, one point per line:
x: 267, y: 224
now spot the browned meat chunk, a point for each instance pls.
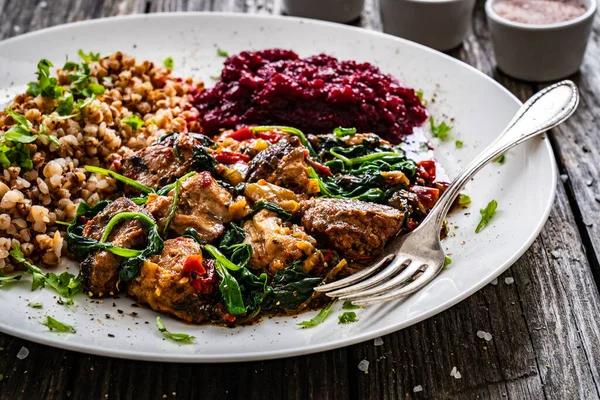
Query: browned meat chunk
x: 356, y: 229
x: 263, y: 190
x: 283, y: 164
x: 100, y: 270
x: 163, y: 162
x: 169, y: 282
x: 202, y: 205
x: 275, y: 244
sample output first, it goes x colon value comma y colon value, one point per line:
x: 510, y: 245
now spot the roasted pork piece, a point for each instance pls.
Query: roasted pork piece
x: 100, y: 270
x: 180, y: 282
x: 202, y: 204
x: 356, y: 229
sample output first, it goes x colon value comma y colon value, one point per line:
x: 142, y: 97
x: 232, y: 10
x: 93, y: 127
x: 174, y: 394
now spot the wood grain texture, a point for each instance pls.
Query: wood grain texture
x: 545, y: 331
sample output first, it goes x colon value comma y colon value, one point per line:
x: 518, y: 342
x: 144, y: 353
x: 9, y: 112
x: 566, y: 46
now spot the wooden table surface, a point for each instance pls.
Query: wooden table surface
x: 545, y: 326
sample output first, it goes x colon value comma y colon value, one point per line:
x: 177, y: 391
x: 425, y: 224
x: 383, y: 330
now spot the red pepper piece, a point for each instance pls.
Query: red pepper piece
x: 426, y: 170
x: 193, y: 265
x: 272, y: 136
x: 242, y: 134
x: 426, y: 195
x: 229, y: 157
x: 320, y: 168
x: 205, y: 179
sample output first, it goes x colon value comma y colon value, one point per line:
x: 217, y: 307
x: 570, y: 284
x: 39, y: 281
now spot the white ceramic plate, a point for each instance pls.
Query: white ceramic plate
x: 524, y: 186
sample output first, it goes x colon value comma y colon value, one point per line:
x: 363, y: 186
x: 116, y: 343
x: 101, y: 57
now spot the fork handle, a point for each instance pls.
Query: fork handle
x: 546, y: 109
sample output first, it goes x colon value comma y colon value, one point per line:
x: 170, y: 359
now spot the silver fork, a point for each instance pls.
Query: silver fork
x: 413, y: 260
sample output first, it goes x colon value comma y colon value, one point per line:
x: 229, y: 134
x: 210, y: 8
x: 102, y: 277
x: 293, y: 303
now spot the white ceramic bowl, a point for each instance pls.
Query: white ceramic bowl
x: 540, y: 53
x: 440, y: 24
x: 326, y: 10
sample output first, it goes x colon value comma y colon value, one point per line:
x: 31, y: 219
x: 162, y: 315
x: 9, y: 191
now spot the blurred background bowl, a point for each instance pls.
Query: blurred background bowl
x: 440, y: 24
x: 327, y: 10
x: 540, y: 53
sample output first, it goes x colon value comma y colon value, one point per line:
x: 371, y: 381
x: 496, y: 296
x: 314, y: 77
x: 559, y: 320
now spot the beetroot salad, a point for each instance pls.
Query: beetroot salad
x: 314, y: 94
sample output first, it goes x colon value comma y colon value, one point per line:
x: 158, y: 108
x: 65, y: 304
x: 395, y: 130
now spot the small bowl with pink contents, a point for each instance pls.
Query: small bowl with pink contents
x: 540, y: 40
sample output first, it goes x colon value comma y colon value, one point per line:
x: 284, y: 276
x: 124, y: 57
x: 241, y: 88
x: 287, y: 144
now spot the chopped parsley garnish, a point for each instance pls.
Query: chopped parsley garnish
x: 65, y: 107
x: 6, y: 280
x: 35, y: 305
x: 349, y: 306
x: 134, y: 122
x: 341, y: 132
x: 319, y: 318
x: 45, y: 86
x: 459, y: 144
x: 20, y: 132
x: 57, y: 326
x: 347, y: 317
x: 486, y: 215
x: 168, y: 62
x: 419, y: 94
x: 500, y: 159
x: 178, y: 337
x: 464, y: 199
x: 439, y: 131
x: 88, y: 57
x: 222, y: 53
x: 38, y: 276
x: 447, y: 261
x: 81, y: 80
x: 51, y: 138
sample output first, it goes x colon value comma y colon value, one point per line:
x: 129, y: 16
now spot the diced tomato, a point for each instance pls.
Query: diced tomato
x: 426, y: 195
x: 205, y: 179
x: 426, y: 170
x: 229, y: 157
x: 193, y: 264
x: 242, y: 134
x: 272, y: 136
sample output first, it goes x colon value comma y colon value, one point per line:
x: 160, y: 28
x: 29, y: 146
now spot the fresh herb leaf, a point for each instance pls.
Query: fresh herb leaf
x: 291, y: 287
x: 319, y: 318
x: 173, y: 205
x: 267, y: 205
x: 500, y: 159
x: 459, y: 144
x: 464, y: 199
x: 81, y: 81
x: 88, y: 57
x: 20, y: 132
x: 134, y: 122
x: 419, y: 95
x: 39, y: 278
x: 486, y: 215
x: 222, y: 53
x: 7, y: 280
x: 119, y: 177
x: 168, y: 62
x: 45, y: 86
x: 349, y: 306
x: 57, y: 326
x: 230, y: 290
x: 35, y: 305
x: 439, y: 131
x: 82, y: 103
x: 447, y: 261
x: 65, y: 107
x: 341, y: 132
x: 51, y: 138
x: 66, y: 285
x: 178, y: 337
x: 347, y: 317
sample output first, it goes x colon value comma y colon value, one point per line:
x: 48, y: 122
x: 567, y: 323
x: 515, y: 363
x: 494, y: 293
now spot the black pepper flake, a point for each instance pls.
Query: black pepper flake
x: 146, y: 322
x: 107, y: 316
x: 120, y: 311
x: 111, y: 335
x: 134, y: 305
x: 114, y: 304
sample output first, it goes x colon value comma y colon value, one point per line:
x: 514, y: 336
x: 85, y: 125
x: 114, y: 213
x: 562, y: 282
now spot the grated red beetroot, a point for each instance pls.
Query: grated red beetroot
x: 314, y: 94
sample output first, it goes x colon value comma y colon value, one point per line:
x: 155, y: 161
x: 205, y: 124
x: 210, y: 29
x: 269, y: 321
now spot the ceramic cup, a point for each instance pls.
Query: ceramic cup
x: 540, y: 53
x: 440, y: 24
x: 327, y: 10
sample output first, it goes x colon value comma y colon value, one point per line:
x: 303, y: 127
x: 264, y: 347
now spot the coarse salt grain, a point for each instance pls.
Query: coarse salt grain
x: 418, y: 389
x: 23, y: 353
x: 484, y: 335
x: 555, y: 254
x: 378, y: 341
x: 363, y: 366
x: 495, y: 281
x: 510, y: 280
x: 455, y: 374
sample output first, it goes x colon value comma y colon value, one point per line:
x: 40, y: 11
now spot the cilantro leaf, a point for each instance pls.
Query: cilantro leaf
x: 341, y: 132
x: 319, y: 318
x: 35, y: 305
x: 347, y: 317
x: 178, y: 337
x: 447, y: 261
x: 7, y: 280
x: 57, y: 326
x: 439, y: 131
x: 419, y: 95
x: 46, y: 85
x: 88, y: 57
x: 66, y: 284
x: 222, y: 53
x: 500, y: 159
x: 65, y: 107
x: 459, y: 144
x: 349, y: 306
x: 486, y: 215
x: 134, y: 121
x: 168, y: 62
x: 20, y: 132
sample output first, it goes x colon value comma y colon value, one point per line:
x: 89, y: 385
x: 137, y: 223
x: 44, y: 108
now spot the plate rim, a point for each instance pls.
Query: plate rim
x: 55, y: 342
